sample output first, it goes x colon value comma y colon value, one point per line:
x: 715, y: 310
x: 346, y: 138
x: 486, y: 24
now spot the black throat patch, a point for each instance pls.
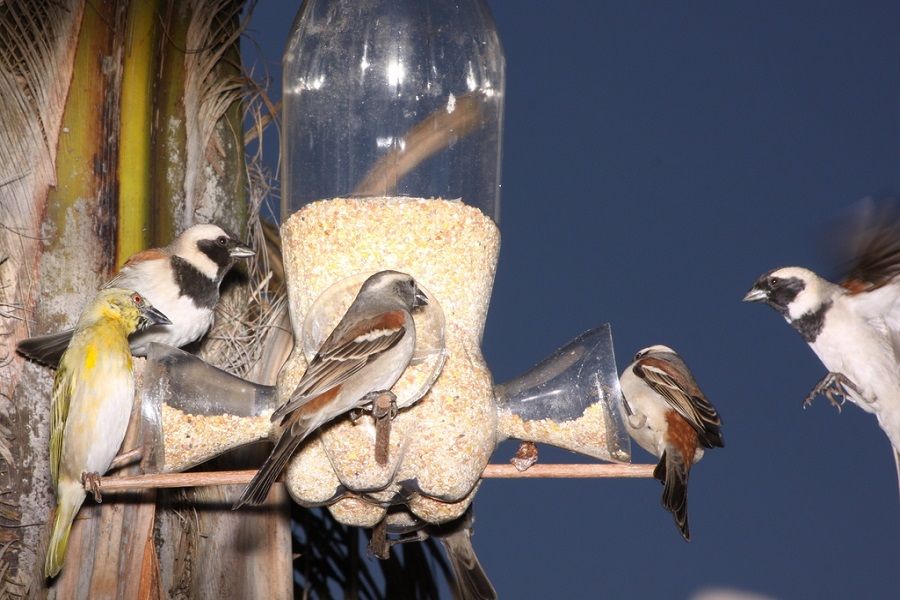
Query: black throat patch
x: 194, y: 284
x: 217, y: 253
x: 781, y: 292
x: 810, y: 325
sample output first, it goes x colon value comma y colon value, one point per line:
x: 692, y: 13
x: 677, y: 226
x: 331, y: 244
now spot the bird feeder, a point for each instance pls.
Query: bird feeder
x: 392, y: 131
x: 392, y: 123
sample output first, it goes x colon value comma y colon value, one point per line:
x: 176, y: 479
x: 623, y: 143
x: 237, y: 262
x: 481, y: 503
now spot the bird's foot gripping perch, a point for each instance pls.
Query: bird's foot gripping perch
x: 832, y: 386
x: 383, y: 406
x: 91, y: 482
x: 380, y: 544
x: 384, y: 409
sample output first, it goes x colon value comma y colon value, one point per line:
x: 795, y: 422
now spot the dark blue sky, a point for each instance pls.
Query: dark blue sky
x: 657, y: 159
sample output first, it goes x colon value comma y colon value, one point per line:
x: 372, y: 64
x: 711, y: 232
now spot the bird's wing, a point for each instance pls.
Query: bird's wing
x: 46, y: 349
x: 682, y: 393
x: 129, y: 273
x: 871, y: 249
x: 63, y: 389
x: 472, y: 582
x: 345, y: 353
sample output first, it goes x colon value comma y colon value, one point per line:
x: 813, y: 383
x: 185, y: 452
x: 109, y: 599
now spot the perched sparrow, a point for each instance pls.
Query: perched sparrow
x: 366, y: 353
x: 472, y: 582
x: 182, y: 280
x: 669, y: 417
x: 91, y: 403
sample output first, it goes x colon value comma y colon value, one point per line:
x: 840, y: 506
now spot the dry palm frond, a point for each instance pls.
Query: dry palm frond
x: 252, y: 337
x: 37, y: 48
x: 213, y: 30
x: 36, y: 54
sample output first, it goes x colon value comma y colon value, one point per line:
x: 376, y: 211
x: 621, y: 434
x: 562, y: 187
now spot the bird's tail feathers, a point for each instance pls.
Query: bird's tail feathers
x: 897, y: 463
x: 284, y: 449
x: 70, y: 497
x: 46, y: 349
x: 470, y: 577
x: 673, y: 472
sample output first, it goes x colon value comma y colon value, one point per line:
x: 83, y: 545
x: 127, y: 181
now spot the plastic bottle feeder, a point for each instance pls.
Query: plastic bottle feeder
x: 392, y: 129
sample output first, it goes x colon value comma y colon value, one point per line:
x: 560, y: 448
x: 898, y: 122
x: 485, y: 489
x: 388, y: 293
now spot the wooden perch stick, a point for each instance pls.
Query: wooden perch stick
x: 584, y: 471
x: 538, y: 471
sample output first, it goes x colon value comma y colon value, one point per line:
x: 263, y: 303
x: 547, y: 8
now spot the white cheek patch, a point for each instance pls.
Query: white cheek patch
x: 807, y: 301
x: 203, y: 263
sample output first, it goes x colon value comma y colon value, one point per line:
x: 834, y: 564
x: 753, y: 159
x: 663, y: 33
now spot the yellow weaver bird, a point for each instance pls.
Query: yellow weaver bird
x: 91, y: 403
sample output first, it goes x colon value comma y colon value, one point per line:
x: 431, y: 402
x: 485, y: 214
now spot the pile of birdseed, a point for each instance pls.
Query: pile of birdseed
x: 585, y: 435
x: 189, y: 440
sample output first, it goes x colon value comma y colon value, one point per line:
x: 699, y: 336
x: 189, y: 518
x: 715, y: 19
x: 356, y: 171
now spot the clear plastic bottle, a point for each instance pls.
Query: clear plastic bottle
x: 393, y: 98
x: 392, y: 123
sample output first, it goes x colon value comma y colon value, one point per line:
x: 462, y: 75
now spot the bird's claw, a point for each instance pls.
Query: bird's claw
x: 378, y: 543
x: 91, y: 481
x: 384, y: 409
x: 832, y: 386
x: 385, y: 406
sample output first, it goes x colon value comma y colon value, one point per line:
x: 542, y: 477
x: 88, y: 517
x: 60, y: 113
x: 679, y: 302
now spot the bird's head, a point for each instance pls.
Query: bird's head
x: 655, y: 349
x: 129, y: 308
x: 395, y: 285
x: 792, y: 291
x: 210, y: 249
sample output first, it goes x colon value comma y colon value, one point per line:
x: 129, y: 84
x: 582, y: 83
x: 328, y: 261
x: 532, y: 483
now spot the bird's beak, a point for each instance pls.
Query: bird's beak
x: 239, y: 250
x: 420, y: 299
x: 756, y: 295
x: 154, y: 317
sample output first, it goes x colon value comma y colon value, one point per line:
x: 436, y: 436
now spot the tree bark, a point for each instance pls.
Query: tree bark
x: 121, y: 184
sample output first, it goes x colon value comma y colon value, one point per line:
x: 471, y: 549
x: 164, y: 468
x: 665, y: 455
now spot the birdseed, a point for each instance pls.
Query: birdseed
x: 189, y: 440
x: 585, y: 435
x: 440, y: 444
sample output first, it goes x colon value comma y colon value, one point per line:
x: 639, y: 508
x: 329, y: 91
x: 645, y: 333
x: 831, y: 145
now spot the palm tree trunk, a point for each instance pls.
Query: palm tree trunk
x: 121, y: 184
x: 37, y: 54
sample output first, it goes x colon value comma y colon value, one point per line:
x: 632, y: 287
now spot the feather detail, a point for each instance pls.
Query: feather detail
x: 673, y: 472
x: 873, y: 247
x: 70, y: 496
x: 344, y: 354
x: 300, y: 424
x: 46, y: 349
x: 684, y: 396
x: 471, y: 580
x: 143, y: 256
x: 63, y: 390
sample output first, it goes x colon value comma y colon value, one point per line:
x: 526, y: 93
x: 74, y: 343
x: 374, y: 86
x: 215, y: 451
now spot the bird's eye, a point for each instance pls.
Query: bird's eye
x: 773, y: 282
x: 222, y: 240
x: 137, y: 299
